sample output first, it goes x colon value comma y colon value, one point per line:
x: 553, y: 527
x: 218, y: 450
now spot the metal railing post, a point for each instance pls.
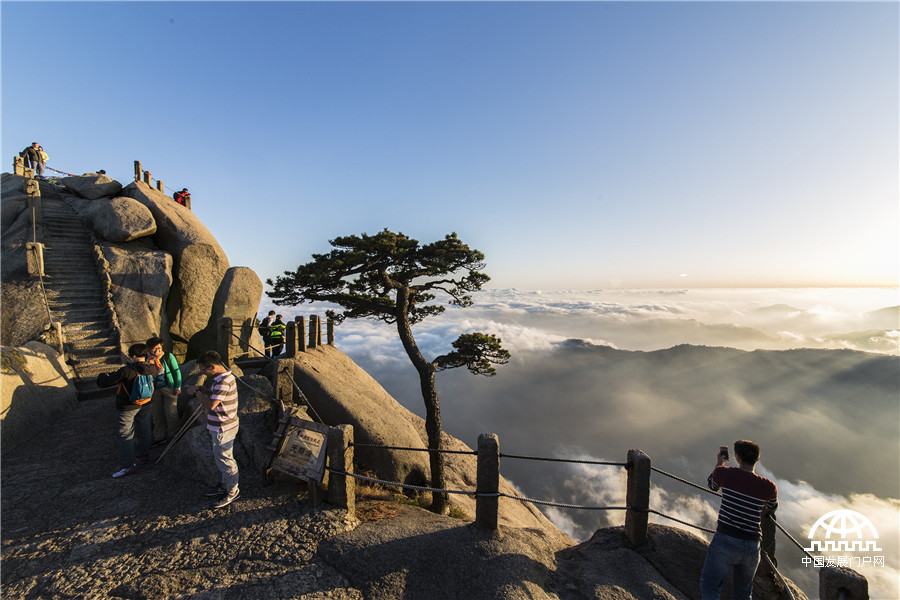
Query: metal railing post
x: 637, y: 497
x: 487, y: 509
x: 341, y: 489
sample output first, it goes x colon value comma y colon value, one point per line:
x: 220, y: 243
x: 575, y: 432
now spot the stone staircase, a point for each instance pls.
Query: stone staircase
x: 78, y: 297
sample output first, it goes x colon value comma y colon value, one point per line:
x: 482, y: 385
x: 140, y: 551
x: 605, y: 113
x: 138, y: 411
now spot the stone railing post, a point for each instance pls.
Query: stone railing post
x: 314, y: 334
x: 34, y: 259
x: 223, y: 339
x: 281, y: 381
x: 487, y: 509
x: 842, y: 583
x: 290, y: 341
x: 637, y: 497
x: 137, y: 170
x: 159, y: 185
x: 301, y: 333
x: 330, y: 331
x: 341, y: 489
x: 147, y: 177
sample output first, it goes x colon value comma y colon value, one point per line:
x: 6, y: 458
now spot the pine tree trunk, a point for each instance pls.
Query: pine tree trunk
x: 432, y: 404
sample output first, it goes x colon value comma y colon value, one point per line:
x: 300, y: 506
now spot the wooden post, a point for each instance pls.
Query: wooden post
x: 301, y: 333
x: 842, y: 583
x: 487, y: 509
x: 637, y: 497
x: 341, y: 488
x: 223, y: 339
x: 137, y: 170
x: 313, y: 331
x: 330, y: 330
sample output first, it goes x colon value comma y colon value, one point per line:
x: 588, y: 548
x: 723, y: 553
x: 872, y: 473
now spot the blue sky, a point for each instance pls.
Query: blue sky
x: 578, y: 145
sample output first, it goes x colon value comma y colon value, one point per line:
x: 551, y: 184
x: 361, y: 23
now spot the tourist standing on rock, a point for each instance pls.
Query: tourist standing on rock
x: 221, y: 400
x: 276, y: 335
x: 183, y: 197
x: 746, y: 497
x: 133, y: 398
x: 164, y: 412
x: 42, y: 162
x: 265, y: 331
x: 31, y: 156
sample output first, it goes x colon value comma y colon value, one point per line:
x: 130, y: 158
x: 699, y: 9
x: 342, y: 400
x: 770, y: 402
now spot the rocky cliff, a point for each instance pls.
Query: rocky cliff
x: 69, y: 530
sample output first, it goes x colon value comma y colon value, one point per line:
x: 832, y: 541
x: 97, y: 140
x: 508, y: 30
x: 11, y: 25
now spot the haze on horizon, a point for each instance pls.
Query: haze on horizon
x: 578, y: 145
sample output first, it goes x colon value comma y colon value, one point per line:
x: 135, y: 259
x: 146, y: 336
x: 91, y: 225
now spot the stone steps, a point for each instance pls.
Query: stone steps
x: 78, y: 297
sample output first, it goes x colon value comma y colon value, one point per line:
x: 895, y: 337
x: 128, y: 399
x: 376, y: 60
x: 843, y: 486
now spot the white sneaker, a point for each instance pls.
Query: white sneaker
x: 227, y: 499
x: 125, y: 471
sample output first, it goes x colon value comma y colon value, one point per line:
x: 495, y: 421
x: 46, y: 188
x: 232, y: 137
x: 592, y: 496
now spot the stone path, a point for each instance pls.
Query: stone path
x: 71, y: 531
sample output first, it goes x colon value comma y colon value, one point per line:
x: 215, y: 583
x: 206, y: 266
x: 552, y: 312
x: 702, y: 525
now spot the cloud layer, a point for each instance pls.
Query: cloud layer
x: 676, y: 374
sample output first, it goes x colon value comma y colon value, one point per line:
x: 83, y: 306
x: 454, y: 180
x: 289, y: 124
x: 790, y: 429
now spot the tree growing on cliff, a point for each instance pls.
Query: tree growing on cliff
x: 390, y: 277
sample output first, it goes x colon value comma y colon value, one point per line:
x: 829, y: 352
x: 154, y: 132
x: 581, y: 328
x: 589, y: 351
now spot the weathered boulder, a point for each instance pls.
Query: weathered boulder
x: 340, y: 392
x: 139, y: 282
x: 192, y: 456
x: 36, y: 391
x: 15, y: 200
x: 92, y: 186
x: 118, y: 219
x: 237, y: 297
x: 23, y: 316
x: 667, y: 567
x: 200, y: 265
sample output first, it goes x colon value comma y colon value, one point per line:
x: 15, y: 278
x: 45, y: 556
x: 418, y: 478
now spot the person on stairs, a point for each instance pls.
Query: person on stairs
x: 132, y: 408
x: 164, y: 411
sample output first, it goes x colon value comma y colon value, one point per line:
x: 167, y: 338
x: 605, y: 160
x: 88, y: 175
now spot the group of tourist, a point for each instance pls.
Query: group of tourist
x: 147, y: 410
x: 271, y: 329
x: 35, y: 158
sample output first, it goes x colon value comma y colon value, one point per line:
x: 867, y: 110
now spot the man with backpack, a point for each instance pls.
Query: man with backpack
x: 135, y: 381
x: 265, y: 331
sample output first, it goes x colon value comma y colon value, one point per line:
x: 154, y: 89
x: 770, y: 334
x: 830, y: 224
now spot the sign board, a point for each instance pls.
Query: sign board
x: 302, y: 450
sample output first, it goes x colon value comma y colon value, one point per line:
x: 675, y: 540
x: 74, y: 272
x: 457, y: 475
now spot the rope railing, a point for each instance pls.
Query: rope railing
x: 436, y: 450
x: 565, y: 460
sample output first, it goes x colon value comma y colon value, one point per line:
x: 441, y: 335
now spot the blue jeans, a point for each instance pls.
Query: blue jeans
x: 223, y: 453
x: 726, y: 553
x: 133, y: 431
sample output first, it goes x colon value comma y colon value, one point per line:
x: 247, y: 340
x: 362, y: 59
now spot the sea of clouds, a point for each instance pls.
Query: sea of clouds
x: 565, y: 394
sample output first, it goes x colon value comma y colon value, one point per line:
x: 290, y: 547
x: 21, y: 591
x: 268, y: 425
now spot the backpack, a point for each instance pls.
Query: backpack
x: 141, y: 389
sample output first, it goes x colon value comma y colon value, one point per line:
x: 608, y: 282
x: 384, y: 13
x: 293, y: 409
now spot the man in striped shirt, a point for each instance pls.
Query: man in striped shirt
x: 746, y: 497
x: 221, y: 400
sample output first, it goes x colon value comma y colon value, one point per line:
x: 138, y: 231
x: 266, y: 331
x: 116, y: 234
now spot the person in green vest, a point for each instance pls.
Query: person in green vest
x: 164, y: 410
x: 276, y: 335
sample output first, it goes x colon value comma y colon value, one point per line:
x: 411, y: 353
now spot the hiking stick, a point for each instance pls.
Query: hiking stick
x: 177, y: 437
